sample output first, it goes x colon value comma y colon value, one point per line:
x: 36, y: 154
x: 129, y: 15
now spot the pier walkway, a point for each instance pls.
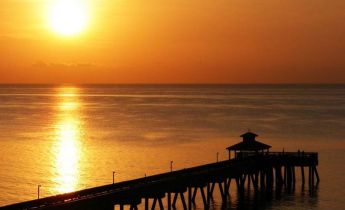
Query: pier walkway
x: 265, y: 171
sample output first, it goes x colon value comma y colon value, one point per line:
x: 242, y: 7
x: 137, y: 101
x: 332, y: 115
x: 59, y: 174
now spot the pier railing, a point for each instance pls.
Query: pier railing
x: 300, y: 155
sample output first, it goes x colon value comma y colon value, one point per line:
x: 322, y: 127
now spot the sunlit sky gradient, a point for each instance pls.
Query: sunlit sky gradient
x: 177, y: 41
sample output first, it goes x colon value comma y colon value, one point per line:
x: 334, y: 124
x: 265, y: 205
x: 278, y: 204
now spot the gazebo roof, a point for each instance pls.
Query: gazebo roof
x: 249, y: 143
x: 249, y: 134
x: 249, y: 146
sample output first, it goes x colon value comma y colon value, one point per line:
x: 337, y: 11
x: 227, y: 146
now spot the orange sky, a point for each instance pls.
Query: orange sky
x: 177, y: 41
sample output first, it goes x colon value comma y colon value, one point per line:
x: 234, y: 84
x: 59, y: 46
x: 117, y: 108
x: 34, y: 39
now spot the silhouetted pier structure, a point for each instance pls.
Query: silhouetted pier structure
x: 263, y: 169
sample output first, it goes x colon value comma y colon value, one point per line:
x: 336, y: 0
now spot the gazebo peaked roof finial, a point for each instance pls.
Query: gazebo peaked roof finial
x: 249, y: 136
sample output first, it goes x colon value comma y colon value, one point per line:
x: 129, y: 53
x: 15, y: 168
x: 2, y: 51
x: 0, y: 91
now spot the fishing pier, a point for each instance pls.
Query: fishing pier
x: 252, y: 164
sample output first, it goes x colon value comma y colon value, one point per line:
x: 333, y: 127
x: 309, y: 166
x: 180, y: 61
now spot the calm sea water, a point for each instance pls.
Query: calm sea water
x: 68, y: 137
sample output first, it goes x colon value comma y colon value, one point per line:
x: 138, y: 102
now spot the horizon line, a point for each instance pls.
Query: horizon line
x: 192, y: 83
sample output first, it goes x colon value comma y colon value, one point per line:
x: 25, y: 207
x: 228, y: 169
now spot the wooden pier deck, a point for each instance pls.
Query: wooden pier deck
x: 264, y: 171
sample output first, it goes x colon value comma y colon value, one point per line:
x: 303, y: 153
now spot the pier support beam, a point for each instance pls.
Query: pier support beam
x: 190, y: 198
x: 146, y: 203
x: 311, y: 177
x: 317, y: 174
x: 194, y: 195
x: 182, y: 199
x: 154, y: 204
x: 262, y: 180
x: 169, y: 200
x: 279, y: 178
x: 252, y: 178
x: 240, y: 182
x: 227, y: 183
x: 161, y: 206
x: 204, y: 199
x: 212, y: 189
x: 285, y: 176
x: 289, y: 178
x: 222, y: 192
x: 208, y: 189
x: 269, y: 179
x: 174, y: 200
x: 302, y: 175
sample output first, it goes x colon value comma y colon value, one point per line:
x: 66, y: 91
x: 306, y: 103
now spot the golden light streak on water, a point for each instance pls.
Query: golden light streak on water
x: 69, y: 106
x: 68, y: 152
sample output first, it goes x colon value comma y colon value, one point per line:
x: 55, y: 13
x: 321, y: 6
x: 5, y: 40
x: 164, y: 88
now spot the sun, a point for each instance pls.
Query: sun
x: 68, y: 17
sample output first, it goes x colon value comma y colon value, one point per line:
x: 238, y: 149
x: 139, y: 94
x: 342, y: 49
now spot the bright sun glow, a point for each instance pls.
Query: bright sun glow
x: 68, y: 17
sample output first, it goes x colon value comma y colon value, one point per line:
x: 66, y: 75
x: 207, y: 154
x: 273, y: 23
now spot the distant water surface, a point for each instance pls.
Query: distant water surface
x: 68, y: 137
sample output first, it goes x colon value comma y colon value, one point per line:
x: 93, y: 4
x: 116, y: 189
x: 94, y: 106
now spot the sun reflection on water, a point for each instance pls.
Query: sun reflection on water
x: 67, y: 147
x: 69, y: 106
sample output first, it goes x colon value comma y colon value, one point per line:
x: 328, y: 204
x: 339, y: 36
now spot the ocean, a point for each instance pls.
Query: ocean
x: 71, y: 137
